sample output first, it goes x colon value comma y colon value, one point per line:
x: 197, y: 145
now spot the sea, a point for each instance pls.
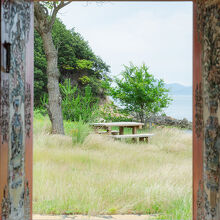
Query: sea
x: 180, y: 107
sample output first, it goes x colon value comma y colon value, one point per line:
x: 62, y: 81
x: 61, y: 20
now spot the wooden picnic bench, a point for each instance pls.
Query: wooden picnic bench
x: 120, y: 134
x: 141, y: 137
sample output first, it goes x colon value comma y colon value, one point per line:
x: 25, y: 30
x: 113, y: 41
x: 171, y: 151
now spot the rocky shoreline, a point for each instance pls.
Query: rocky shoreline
x: 162, y: 120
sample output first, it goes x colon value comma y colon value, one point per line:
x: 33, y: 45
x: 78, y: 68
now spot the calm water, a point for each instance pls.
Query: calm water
x: 181, y: 107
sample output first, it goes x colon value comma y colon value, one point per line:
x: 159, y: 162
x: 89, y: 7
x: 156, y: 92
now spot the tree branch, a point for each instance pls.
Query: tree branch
x: 55, y: 11
x: 40, y: 16
x: 40, y: 11
x: 36, y: 24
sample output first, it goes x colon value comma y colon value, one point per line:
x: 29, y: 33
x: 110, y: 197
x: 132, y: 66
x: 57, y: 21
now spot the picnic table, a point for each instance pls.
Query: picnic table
x: 120, y: 134
x: 108, y: 126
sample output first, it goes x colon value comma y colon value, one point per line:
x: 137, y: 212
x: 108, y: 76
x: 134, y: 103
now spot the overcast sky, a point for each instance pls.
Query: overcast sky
x: 158, y: 34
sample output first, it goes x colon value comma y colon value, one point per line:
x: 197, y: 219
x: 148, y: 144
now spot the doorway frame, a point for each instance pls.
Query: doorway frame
x: 198, y: 113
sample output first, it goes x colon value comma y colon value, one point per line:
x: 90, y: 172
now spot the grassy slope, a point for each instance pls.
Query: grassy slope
x: 103, y: 176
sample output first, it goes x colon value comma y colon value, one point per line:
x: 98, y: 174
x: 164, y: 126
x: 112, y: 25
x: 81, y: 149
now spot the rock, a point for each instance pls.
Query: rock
x: 163, y: 120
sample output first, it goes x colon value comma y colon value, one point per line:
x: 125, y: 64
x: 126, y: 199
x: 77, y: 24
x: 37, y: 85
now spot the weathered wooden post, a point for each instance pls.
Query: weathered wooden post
x: 16, y: 104
x: 206, y: 153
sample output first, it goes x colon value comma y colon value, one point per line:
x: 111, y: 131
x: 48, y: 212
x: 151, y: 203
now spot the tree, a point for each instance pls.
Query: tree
x: 43, y: 23
x: 140, y: 92
x: 76, y: 61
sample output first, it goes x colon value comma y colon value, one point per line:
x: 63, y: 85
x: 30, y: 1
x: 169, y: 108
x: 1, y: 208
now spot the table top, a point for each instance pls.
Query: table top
x: 119, y: 124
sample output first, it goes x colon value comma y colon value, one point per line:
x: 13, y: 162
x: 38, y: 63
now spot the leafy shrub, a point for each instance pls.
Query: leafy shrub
x: 80, y: 131
x: 38, y: 114
x: 140, y: 92
x: 78, y: 105
x: 42, y: 109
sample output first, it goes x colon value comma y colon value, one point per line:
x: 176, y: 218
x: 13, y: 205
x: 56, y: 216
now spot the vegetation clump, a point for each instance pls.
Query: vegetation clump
x: 139, y: 92
x: 76, y: 62
x: 78, y: 105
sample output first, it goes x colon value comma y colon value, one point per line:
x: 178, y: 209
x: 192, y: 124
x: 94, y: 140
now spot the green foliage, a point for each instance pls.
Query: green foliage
x: 140, y: 92
x: 79, y: 132
x: 44, y: 102
x: 40, y: 66
x: 41, y: 109
x: 84, y: 64
x: 76, y: 60
x: 38, y: 114
x: 78, y: 105
x: 85, y: 80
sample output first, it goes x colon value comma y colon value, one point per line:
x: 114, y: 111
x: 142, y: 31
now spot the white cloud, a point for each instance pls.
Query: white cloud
x: 158, y: 34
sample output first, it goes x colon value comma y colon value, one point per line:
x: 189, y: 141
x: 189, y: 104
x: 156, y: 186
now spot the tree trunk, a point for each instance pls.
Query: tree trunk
x: 54, y: 109
x: 141, y: 115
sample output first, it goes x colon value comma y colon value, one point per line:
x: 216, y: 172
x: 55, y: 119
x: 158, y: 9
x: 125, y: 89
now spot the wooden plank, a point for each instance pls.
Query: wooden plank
x: 132, y: 136
x: 29, y: 104
x: 206, y: 135
x: 114, y: 132
x: 197, y: 135
x: 117, y: 124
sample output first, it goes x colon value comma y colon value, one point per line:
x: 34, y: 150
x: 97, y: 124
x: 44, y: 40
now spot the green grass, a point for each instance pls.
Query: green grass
x: 102, y: 176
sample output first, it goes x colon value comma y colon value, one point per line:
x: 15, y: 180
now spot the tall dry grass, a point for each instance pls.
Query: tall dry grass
x: 102, y: 176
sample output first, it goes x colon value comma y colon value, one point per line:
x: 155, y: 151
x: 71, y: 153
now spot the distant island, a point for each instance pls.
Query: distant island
x: 181, y: 106
x: 178, y: 89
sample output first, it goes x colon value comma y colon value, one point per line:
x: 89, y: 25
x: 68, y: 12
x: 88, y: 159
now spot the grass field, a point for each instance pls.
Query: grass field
x: 102, y: 176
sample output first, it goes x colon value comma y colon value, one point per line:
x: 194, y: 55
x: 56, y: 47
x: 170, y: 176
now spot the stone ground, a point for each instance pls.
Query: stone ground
x: 101, y: 217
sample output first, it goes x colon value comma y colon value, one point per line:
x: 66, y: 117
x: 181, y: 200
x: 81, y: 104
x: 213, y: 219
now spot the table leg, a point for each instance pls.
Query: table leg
x: 134, y: 140
x: 141, y: 139
x: 96, y: 130
x: 121, y: 130
x: 146, y: 140
x: 134, y: 131
x: 109, y: 130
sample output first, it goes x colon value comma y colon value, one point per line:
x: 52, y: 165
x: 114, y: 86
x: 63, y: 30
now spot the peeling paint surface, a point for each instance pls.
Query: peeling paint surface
x: 208, y: 200
x: 16, y: 109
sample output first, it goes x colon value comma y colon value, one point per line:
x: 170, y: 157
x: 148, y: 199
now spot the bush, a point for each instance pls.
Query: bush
x: 79, y: 132
x: 140, y: 92
x: 38, y: 114
x: 77, y: 105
